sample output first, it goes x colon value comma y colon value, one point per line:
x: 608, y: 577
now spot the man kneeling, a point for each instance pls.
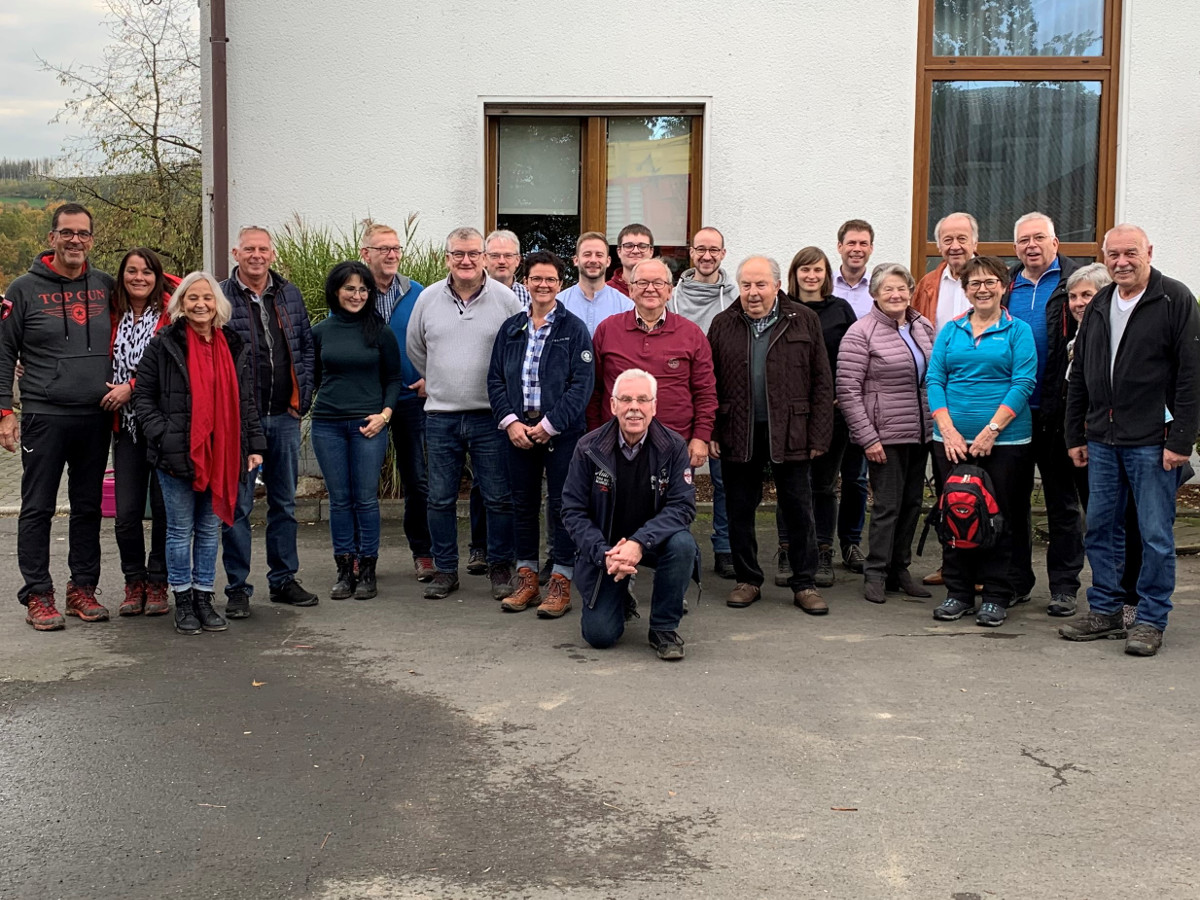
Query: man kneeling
x: 629, y: 500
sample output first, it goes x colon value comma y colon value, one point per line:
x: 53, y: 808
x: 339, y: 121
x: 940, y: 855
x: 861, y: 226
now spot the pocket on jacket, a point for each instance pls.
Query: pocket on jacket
x: 797, y: 425
x: 79, y: 380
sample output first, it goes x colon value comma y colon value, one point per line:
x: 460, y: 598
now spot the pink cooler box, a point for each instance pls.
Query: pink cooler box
x: 108, y: 497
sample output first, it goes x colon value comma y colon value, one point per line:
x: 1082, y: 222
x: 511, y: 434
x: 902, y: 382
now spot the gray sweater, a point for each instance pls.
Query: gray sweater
x: 451, y: 346
x: 699, y: 302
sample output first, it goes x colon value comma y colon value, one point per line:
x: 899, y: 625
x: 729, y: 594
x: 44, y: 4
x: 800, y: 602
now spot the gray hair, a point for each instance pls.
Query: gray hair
x: 937, y: 229
x: 1096, y: 274
x: 657, y: 260
x: 175, y: 304
x: 466, y: 233
x: 247, y: 229
x: 629, y: 374
x: 503, y: 234
x: 1033, y: 217
x: 883, y: 270
x: 776, y: 272
x: 1125, y: 227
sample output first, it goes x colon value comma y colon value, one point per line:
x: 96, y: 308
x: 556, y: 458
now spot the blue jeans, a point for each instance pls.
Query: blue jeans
x: 280, y: 469
x: 1114, y: 473
x: 193, y: 532
x: 603, y: 623
x: 720, y: 535
x: 408, y: 438
x: 449, y: 437
x: 350, y: 463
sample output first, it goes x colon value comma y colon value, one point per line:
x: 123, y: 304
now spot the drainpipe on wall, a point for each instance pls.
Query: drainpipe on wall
x: 218, y: 41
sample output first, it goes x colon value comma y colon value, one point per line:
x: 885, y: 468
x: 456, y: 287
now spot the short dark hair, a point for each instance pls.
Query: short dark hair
x: 545, y: 258
x: 120, y: 296
x: 986, y: 265
x: 371, y: 322
x: 635, y: 228
x: 806, y: 257
x: 71, y: 209
x: 856, y: 225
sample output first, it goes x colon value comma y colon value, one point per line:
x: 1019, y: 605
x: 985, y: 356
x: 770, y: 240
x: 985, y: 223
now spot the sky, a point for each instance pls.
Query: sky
x: 61, y: 31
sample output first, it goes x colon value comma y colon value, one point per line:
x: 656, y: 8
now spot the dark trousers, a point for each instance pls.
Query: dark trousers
x: 1010, y: 468
x: 525, y: 471
x: 1064, y: 556
x: 844, y: 459
x: 743, y: 494
x: 897, y: 485
x: 78, y: 442
x: 134, y: 478
x: 408, y: 441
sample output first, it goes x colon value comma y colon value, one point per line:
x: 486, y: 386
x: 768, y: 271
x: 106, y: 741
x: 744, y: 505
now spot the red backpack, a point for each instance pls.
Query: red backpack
x: 966, y: 515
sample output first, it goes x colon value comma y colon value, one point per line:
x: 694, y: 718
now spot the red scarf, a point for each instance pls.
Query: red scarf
x: 216, y: 436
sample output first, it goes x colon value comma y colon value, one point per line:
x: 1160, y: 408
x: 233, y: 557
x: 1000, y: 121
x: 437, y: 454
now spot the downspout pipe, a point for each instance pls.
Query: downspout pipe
x: 218, y: 42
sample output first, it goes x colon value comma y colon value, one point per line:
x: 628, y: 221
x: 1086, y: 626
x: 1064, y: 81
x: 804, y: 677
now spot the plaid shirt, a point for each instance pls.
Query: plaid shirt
x: 522, y: 293
x: 385, y: 303
x: 759, y: 326
x: 531, y: 388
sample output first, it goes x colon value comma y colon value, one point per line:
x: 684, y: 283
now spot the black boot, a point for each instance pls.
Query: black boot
x: 185, y: 613
x: 366, y: 578
x: 343, y: 587
x: 210, y: 619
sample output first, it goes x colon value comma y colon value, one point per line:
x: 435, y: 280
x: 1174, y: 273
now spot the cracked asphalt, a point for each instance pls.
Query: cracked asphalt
x: 404, y: 748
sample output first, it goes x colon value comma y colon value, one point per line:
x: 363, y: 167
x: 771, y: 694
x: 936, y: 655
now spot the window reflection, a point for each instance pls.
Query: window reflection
x: 1018, y: 27
x: 649, y: 175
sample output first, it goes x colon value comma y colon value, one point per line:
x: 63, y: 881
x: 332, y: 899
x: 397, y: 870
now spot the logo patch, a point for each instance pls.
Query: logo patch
x: 687, y: 476
x: 673, y: 363
x: 586, y: 355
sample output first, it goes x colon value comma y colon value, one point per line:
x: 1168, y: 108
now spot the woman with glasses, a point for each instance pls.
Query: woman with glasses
x: 357, y: 378
x: 981, y: 374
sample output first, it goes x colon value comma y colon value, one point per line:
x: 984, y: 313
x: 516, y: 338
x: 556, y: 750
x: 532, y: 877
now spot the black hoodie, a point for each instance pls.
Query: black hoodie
x: 60, y: 329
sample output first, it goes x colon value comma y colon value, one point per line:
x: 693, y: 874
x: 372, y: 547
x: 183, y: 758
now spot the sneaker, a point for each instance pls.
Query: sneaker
x: 237, y: 605
x: 134, y: 603
x: 667, y: 644
x: 783, y: 567
x: 723, y: 566
x: 811, y: 602
x: 1143, y: 640
x: 291, y: 593
x: 441, y: 586
x: 81, y: 602
x: 743, y: 595
x: 824, y: 576
x: 424, y: 568
x: 558, y: 598
x: 41, y: 613
x: 527, y: 592
x: 157, y: 603
x: 853, y: 559
x: 1095, y: 626
x: 1063, y: 606
x: 500, y: 575
x: 991, y: 615
x: 1018, y: 600
x: 952, y: 608
x: 477, y: 563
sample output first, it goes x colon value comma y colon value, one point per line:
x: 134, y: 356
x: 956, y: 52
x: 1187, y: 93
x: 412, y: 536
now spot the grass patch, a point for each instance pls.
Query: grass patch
x: 34, y: 202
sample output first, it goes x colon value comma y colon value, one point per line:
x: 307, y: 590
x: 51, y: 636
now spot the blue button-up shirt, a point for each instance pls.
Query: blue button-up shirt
x: 607, y: 302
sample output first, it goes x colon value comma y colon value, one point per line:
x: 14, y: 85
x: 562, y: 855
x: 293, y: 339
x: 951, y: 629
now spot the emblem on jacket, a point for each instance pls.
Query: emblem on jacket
x: 603, y: 480
x: 586, y: 356
x: 673, y: 363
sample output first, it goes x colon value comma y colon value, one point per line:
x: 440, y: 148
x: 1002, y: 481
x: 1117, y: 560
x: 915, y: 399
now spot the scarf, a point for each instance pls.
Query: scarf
x: 130, y: 343
x: 215, y: 441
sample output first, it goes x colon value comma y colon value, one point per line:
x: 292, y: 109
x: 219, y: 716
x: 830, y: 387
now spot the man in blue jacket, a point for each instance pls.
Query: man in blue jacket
x: 269, y: 314
x: 629, y: 500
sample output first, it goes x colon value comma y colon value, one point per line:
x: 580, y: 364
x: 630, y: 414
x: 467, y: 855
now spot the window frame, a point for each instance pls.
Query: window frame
x: 1103, y: 69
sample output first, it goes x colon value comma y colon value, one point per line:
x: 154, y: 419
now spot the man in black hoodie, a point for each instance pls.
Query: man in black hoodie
x: 59, y: 328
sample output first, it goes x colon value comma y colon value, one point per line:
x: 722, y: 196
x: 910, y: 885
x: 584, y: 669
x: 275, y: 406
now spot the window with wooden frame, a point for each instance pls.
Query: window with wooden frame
x: 554, y: 172
x: 1016, y: 111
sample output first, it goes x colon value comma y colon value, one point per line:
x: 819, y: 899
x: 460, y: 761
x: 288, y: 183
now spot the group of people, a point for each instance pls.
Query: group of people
x: 594, y: 404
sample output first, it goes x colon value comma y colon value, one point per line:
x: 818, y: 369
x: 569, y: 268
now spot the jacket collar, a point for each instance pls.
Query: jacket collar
x: 910, y: 316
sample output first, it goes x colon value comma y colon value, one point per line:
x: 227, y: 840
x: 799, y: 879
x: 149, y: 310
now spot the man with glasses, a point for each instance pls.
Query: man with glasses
x: 703, y: 291
x: 269, y: 314
x: 634, y: 244
x: 57, y: 326
x: 397, y: 294
x: 670, y: 348
x: 502, y: 258
x: 590, y: 298
x: 449, y: 341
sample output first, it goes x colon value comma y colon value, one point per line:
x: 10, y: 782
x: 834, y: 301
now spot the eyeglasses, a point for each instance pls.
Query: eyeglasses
x: 68, y: 235
x: 495, y: 256
x: 657, y: 284
x: 708, y: 251
x: 460, y: 255
x: 640, y: 401
x: 355, y: 291
x: 542, y: 279
x: 631, y: 245
x: 989, y: 283
x: 386, y: 250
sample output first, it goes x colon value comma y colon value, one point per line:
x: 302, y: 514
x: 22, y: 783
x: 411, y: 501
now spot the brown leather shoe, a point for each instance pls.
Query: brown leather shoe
x: 743, y: 595
x: 526, y: 592
x: 811, y: 601
x: 558, y: 598
x: 933, y: 577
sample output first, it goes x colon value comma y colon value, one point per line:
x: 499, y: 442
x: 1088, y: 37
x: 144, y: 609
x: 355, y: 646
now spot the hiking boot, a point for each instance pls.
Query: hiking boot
x: 210, y: 619
x: 237, y: 605
x: 344, y: 584
x: 41, y: 613
x: 424, y: 569
x: 952, y: 609
x: 81, y: 601
x: 824, y: 577
x: 558, y: 598
x: 853, y: 559
x: 991, y: 615
x: 500, y: 575
x: 743, y: 595
x: 783, y: 567
x: 873, y: 591
x: 934, y: 578
x: 811, y: 601
x: 156, y: 598
x: 904, y: 582
x: 526, y: 593
x: 1095, y: 626
x: 291, y: 593
x: 1062, y: 606
x: 134, y: 603
x: 546, y: 571
x: 667, y: 644
x: 1019, y: 599
x: 441, y: 586
x: 723, y: 566
x: 367, y: 585
x: 185, y: 613
x: 1143, y: 640
x: 477, y: 563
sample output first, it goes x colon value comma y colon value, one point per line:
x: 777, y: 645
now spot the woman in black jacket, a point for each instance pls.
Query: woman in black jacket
x: 195, y: 403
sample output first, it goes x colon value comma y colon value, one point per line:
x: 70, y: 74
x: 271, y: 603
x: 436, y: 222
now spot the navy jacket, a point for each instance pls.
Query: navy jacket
x: 293, y: 322
x: 567, y: 371
x: 590, y: 491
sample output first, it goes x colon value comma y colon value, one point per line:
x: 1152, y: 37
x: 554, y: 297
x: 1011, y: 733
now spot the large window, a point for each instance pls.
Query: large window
x: 554, y: 173
x: 1016, y: 111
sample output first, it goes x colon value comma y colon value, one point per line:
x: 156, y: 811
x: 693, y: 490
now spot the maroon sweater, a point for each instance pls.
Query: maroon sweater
x: 677, y: 354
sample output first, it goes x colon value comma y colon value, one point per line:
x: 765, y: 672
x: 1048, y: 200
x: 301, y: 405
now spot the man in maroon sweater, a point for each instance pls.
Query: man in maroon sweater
x: 669, y: 347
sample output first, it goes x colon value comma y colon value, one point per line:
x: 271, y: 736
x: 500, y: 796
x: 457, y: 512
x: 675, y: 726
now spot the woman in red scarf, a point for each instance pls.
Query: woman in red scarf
x: 194, y: 401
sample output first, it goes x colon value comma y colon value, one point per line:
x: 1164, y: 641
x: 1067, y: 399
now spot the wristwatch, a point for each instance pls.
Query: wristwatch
x: 993, y: 427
